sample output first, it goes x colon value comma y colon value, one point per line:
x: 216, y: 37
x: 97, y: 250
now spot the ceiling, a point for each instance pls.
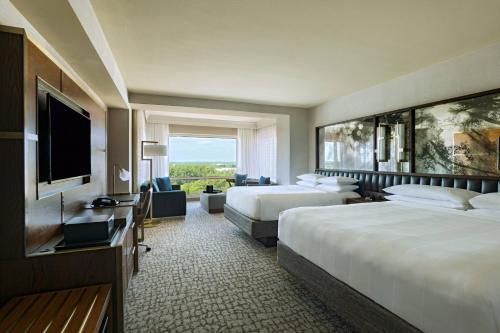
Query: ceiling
x: 286, y: 52
x: 209, y: 117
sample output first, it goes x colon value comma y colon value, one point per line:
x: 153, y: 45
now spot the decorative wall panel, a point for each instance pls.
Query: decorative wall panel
x: 347, y: 146
x: 459, y: 138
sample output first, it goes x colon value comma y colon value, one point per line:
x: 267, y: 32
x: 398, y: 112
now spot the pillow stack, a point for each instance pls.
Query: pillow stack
x: 309, y: 179
x: 337, y: 184
x: 448, y: 197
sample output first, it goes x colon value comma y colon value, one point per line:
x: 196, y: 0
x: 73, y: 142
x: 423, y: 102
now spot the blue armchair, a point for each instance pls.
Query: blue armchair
x: 166, y: 203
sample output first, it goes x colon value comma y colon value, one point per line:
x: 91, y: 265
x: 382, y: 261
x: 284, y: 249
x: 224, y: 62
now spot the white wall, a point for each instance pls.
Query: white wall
x: 471, y: 73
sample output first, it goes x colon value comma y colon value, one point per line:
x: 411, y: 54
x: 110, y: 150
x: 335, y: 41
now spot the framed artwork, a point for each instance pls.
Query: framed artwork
x: 347, y: 146
x: 459, y: 138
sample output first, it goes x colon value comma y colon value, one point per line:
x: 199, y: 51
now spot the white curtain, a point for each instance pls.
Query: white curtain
x: 247, y: 162
x: 266, y: 148
x: 159, y: 133
x: 257, y: 152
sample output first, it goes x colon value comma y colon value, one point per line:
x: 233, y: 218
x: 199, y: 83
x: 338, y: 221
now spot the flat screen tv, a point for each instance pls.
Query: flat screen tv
x: 69, y: 141
x: 64, y: 139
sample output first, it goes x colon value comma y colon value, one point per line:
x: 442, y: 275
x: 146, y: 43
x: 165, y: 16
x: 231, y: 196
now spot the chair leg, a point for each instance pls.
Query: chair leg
x: 146, y: 246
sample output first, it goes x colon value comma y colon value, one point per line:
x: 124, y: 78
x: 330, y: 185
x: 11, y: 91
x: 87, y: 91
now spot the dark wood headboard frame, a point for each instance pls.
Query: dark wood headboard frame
x: 372, y: 183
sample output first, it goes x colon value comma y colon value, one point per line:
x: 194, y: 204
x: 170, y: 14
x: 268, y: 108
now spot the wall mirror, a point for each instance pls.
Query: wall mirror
x: 393, y: 139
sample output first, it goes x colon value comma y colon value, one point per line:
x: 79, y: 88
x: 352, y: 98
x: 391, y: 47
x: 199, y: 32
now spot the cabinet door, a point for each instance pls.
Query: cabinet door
x: 128, y: 258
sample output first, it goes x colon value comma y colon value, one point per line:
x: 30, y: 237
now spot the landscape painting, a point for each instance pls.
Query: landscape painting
x: 347, y: 146
x: 459, y: 138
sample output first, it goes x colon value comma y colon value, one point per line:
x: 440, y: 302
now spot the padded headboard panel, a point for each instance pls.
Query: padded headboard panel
x: 370, y: 181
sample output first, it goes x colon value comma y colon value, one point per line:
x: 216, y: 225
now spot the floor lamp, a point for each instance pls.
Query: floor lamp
x: 152, y: 149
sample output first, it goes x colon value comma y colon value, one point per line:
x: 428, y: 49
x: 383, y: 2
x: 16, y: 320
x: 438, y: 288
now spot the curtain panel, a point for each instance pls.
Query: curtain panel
x: 159, y: 133
x: 266, y: 148
x: 247, y: 162
x: 257, y: 152
x: 143, y: 131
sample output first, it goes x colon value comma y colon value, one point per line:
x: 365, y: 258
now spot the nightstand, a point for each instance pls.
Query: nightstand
x: 350, y: 201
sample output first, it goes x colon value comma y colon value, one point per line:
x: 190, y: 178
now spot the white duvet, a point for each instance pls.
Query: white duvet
x: 437, y: 268
x: 264, y: 203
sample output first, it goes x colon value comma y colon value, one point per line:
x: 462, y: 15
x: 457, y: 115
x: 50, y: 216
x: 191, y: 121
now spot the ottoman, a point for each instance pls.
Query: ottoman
x: 213, y: 202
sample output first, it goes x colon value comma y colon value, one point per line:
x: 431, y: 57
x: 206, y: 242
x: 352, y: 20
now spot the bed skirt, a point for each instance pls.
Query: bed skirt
x: 264, y: 231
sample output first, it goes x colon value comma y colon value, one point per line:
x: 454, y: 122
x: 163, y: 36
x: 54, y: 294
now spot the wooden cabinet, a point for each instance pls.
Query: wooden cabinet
x: 128, y: 252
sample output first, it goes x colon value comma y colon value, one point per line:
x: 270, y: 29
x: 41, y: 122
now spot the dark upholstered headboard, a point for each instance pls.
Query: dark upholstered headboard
x: 371, y: 181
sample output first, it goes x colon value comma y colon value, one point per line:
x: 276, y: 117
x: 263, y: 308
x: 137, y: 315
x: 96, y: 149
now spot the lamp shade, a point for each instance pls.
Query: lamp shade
x: 155, y: 150
x: 124, y: 175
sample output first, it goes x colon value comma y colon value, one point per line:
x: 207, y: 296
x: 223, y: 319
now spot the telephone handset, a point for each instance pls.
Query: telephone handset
x: 105, y: 202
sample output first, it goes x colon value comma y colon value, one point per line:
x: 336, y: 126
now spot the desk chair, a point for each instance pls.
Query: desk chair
x: 141, y: 213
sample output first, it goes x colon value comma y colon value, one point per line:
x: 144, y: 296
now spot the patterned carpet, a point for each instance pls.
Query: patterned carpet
x: 204, y: 275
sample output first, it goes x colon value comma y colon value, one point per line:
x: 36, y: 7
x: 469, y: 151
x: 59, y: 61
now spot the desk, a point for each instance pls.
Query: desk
x: 47, y: 269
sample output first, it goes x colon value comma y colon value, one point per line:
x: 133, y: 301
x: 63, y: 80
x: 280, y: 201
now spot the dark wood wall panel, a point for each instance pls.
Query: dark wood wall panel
x: 74, y: 198
x: 11, y: 149
x: 38, y: 65
x: 53, y: 272
x: 43, y: 217
x: 12, y: 200
x: 11, y: 82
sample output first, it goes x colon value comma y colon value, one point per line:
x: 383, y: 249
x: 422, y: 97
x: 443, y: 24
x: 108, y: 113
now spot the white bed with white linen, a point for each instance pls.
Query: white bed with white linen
x: 264, y: 203
x: 437, y: 268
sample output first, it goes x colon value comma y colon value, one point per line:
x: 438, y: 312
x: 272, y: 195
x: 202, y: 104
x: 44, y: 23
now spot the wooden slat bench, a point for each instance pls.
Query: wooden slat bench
x: 73, y: 310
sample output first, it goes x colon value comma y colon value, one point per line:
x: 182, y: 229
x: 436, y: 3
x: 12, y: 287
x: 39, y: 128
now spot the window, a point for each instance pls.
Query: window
x: 196, y: 162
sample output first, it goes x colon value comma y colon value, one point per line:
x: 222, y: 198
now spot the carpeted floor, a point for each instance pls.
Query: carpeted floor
x: 204, y: 275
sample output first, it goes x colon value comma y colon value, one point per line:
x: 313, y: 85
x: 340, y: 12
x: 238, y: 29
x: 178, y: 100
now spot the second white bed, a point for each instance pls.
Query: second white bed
x: 437, y: 268
x: 264, y: 203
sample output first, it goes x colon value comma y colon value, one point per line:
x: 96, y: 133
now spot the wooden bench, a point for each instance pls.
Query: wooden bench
x: 73, y: 310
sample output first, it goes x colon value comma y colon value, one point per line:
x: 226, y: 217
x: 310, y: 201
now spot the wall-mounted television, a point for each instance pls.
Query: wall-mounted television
x: 64, y: 137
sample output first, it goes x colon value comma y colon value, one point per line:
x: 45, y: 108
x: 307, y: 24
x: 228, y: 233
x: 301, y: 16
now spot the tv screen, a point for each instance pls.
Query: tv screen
x: 69, y: 141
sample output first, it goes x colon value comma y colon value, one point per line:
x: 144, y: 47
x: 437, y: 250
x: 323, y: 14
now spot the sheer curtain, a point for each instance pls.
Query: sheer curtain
x: 247, y: 162
x: 257, y: 152
x: 266, y: 147
x: 159, y: 133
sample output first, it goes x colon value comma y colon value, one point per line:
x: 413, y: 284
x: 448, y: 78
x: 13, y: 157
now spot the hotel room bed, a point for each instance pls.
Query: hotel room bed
x: 255, y: 209
x: 436, y: 268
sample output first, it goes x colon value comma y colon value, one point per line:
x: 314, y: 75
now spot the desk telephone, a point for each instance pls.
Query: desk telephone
x: 105, y: 202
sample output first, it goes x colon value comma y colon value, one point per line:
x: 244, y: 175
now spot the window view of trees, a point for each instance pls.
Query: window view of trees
x: 196, y: 162
x: 181, y: 173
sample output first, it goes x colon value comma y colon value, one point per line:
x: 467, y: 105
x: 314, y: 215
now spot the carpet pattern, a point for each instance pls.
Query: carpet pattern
x: 204, y: 275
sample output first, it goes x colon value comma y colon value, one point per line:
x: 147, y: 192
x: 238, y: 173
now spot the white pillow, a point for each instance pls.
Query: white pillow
x: 306, y: 183
x: 432, y: 202
x: 338, y: 180
x: 456, y: 195
x: 337, y: 188
x: 486, y: 201
x: 310, y: 177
